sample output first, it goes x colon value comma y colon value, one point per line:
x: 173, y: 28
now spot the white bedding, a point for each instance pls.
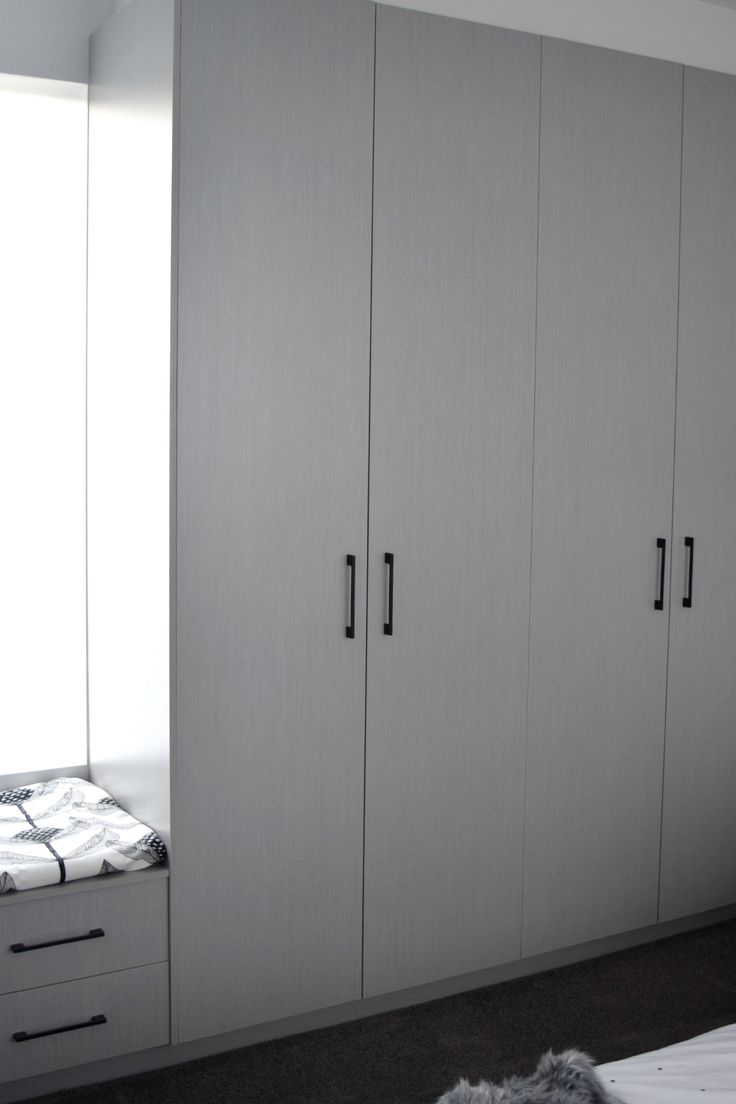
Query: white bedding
x: 58, y: 831
x: 698, y: 1071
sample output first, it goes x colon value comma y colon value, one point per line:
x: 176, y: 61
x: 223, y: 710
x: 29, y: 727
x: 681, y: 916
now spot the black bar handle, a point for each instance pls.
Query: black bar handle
x: 21, y: 948
x: 687, y: 601
x: 350, y: 627
x: 388, y: 627
x: 24, y: 1037
x: 661, y: 544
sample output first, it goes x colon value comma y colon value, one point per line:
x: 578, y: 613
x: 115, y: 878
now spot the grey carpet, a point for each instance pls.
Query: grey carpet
x: 611, y: 1007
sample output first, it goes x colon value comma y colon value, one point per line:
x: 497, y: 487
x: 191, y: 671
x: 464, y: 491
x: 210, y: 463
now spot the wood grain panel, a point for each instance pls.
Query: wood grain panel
x: 603, y: 458
x: 274, y: 318
x: 134, y: 1002
x: 133, y: 917
x: 457, y: 117
x: 699, y: 826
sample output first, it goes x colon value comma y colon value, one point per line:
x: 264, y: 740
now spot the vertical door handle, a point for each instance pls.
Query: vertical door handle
x: 662, y: 545
x: 388, y: 627
x: 687, y: 601
x: 350, y: 627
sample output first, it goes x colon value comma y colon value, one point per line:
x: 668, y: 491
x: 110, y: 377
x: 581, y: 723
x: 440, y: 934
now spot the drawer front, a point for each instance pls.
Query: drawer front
x: 134, y: 1004
x: 133, y: 919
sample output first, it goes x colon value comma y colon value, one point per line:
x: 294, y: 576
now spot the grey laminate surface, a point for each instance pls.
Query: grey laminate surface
x: 274, y: 316
x: 128, y: 406
x: 134, y: 922
x: 455, y: 216
x: 135, y: 1004
x: 699, y: 825
x: 605, y: 393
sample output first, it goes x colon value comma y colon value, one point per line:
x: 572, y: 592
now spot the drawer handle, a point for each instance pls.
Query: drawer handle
x: 24, y: 1037
x: 21, y: 948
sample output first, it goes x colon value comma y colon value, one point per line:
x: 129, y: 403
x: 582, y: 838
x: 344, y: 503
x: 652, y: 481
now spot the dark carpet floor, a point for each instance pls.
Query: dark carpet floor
x: 614, y: 1006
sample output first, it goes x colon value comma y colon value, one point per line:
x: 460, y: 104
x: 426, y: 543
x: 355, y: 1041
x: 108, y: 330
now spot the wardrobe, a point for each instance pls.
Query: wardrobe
x: 454, y: 370
x: 603, y: 456
x: 699, y: 812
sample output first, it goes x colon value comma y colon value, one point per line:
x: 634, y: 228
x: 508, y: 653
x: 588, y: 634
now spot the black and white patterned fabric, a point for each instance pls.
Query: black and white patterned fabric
x: 58, y: 831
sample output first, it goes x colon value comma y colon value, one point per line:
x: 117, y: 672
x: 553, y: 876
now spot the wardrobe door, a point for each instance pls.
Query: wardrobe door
x: 699, y: 826
x: 273, y: 369
x: 455, y: 217
x: 603, y: 459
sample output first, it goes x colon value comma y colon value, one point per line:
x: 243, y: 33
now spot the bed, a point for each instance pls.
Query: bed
x: 58, y: 831
x: 685, y: 1073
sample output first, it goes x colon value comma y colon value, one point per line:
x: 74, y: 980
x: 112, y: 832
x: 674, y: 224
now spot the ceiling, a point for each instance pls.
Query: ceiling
x: 49, y: 37
x: 697, y: 32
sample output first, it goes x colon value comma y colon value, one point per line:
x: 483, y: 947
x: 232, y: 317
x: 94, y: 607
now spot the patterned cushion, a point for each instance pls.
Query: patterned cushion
x: 57, y: 831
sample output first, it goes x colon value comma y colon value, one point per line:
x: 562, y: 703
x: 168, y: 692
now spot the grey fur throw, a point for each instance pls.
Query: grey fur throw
x: 567, y: 1078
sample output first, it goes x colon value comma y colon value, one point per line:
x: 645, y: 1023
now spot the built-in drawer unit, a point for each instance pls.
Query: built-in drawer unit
x: 57, y: 1026
x: 111, y: 924
x: 84, y: 972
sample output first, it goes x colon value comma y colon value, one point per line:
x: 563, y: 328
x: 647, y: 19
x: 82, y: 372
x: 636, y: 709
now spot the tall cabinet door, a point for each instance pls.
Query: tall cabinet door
x: 455, y: 218
x: 275, y: 140
x: 603, y: 459
x: 699, y: 826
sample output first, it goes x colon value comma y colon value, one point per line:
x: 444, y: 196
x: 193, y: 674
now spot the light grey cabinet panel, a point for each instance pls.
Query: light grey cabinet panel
x: 129, y: 1010
x: 699, y: 825
x: 274, y: 320
x: 132, y: 916
x: 455, y: 217
x: 603, y: 458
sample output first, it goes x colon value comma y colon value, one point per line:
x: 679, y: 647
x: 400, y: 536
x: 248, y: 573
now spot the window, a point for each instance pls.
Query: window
x: 43, y: 130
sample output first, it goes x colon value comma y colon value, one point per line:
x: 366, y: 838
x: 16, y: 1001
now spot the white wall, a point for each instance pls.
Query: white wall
x: 43, y: 703
x: 128, y: 406
x: 49, y: 38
